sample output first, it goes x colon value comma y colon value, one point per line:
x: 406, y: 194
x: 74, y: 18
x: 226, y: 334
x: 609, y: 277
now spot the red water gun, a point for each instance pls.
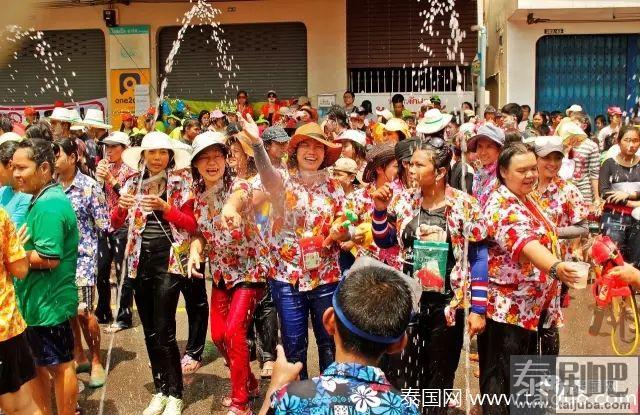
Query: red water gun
x: 606, y: 255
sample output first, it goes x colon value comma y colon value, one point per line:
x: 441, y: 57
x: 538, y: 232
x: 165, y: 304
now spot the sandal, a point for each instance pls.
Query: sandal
x: 267, y: 370
x: 190, y: 365
x: 116, y: 327
x: 227, y: 402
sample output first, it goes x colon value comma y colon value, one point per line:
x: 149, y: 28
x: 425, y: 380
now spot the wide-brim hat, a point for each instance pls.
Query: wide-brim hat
x: 217, y: 114
x: 205, y: 140
x: 156, y: 140
x: 490, y: 132
x: 61, y: 114
x: 117, y: 137
x: 397, y: 124
x: 94, y: 118
x: 346, y: 165
x: 574, y: 108
x: 433, y: 121
x: 312, y: 130
x: 275, y: 133
x: 245, y: 143
x: 357, y: 136
x: 568, y: 129
x: 385, y: 113
x: 379, y: 155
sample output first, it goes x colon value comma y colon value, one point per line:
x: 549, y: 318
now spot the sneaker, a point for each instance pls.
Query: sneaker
x: 157, y: 405
x: 174, y: 406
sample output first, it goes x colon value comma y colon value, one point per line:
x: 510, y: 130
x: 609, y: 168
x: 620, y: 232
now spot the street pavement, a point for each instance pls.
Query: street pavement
x: 129, y: 384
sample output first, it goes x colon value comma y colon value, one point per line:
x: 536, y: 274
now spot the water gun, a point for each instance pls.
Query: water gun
x: 348, y: 218
x: 606, y: 255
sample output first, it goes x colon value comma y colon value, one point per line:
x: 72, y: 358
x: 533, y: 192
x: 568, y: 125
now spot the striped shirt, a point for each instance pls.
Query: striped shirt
x: 587, y: 167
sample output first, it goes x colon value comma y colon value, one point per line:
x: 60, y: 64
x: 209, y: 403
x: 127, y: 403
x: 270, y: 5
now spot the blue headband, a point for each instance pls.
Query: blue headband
x: 355, y: 330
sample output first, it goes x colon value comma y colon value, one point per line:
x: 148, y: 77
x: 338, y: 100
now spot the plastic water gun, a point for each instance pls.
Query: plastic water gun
x: 606, y: 255
x: 348, y: 218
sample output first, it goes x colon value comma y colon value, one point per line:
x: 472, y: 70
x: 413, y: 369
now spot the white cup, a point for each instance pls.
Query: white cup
x: 583, y: 274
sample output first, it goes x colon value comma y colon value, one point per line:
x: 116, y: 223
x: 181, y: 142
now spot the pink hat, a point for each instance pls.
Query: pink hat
x: 614, y: 111
x: 217, y: 114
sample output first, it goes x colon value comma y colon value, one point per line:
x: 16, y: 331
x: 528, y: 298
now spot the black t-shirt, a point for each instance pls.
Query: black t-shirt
x: 613, y: 177
x: 157, y: 232
x: 455, y: 177
x: 430, y: 218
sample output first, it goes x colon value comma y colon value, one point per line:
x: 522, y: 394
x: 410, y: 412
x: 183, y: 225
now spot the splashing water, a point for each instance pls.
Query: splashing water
x: 44, y: 54
x: 204, y: 14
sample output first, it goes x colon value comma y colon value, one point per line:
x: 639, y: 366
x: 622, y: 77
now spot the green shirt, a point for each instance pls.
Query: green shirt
x: 49, y: 297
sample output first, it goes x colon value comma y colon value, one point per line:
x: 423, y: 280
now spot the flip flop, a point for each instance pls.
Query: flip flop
x: 98, y: 378
x: 267, y: 370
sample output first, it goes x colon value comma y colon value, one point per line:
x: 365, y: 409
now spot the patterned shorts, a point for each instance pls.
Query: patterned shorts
x: 86, y: 298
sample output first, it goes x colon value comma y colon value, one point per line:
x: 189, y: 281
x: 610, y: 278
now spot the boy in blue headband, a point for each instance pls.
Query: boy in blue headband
x: 371, y: 310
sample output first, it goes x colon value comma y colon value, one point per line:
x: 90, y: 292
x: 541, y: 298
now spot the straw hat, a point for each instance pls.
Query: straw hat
x: 312, y: 130
x: 94, y: 118
x: 346, y: 165
x: 568, y: 129
x: 205, y: 140
x: 155, y: 141
x: 433, y: 121
x: 396, y: 124
x: 379, y: 156
x: 61, y: 114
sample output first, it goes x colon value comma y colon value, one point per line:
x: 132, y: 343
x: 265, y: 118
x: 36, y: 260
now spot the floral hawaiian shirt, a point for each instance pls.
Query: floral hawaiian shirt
x: 11, y: 321
x: 90, y: 205
x: 361, y: 203
x: 484, y: 183
x: 518, y: 291
x: 234, y: 256
x: 179, y: 191
x: 305, y: 211
x: 122, y: 173
x: 343, y: 389
x: 464, y: 219
x: 564, y: 205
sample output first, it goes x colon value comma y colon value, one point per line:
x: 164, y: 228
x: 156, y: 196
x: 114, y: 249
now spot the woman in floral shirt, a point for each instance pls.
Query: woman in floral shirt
x: 487, y: 144
x: 237, y: 255
x: 307, y: 202
x: 161, y: 209
x: 90, y: 206
x: 523, y: 271
x: 437, y: 216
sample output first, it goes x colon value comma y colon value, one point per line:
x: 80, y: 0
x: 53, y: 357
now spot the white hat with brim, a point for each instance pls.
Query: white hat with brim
x: 433, y: 121
x: 94, y: 118
x: 61, y: 114
x: 573, y: 108
x: 356, y: 136
x: 568, y: 129
x: 156, y: 140
x: 205, y: 140
x: 117, y: 137
x: 10, y: 136
x: 385, y: 113
x: 74, y: 115
x: 77, y: 128
x: 545, y: 145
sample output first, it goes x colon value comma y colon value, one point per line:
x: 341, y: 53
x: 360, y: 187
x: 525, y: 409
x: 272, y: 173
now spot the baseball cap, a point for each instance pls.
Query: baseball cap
x: 545, y: 145
x: 488, y: 131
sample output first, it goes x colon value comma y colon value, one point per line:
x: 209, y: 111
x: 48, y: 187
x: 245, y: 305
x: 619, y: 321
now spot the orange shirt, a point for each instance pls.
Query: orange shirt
x: 11, y: 322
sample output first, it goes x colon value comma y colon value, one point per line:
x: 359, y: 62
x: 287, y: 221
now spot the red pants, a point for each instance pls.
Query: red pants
x: 231, y: 314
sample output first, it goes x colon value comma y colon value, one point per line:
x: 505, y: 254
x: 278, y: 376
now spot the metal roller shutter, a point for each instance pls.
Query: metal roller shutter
x: 86, y: 51
x: 270, y: 56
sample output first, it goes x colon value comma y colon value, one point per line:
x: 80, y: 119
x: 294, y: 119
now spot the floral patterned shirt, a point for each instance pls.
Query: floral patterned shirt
x: 11, y: 321
x: 464, y: 219
x: 301, y: 211
x: 518, y: 292
x: 179, y: 192
x: 485, y: 182
x: 122, y: 173
x: 361, y: 203
x: 343, y: 389
x: 90, y: 205
x: 237, y: 256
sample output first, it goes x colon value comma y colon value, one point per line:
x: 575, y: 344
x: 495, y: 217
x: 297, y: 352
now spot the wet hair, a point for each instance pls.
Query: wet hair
x: 40, y: 129
x: 397, y: 98
x: 40, y: 151
x: 513, y: 109
x: 364, y: 297
x: 625, y: 129
x: 507, y: 153
x: 202, y: 114
x: 439, y: 156
x: 5, y: 123
x: 6, y: 151
x: 198, y: 181
x: 69, y: 147
x: 512, y: 137
x: 339, y: 114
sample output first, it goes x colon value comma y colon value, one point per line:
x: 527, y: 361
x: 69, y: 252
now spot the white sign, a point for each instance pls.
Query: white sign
x: 16, y: 112
x: 450, y: 101
x: 143, y: 102
x: 326, y: 100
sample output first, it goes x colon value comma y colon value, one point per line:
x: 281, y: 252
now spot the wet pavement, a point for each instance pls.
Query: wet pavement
x: 129, y: 385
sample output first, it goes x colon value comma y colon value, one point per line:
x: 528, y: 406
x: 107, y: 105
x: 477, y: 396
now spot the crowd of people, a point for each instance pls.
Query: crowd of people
x: 391, y: 232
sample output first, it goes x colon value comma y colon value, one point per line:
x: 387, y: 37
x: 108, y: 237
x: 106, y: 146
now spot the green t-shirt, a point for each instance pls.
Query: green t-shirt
x: 49, y: 297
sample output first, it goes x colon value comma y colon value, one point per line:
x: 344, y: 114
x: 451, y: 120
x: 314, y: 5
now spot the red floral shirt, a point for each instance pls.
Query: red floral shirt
x: 234, y: 256
x: 122, y: 173
x: 518, y: 291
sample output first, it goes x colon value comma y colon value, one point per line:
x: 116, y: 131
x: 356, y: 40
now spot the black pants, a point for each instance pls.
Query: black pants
x: 194, y: 291
x: 157, y: 293
x: 111, y: 248
x: 265, y: 328
x: 624, y: 230
x: 496, y: 345
x: 432, y: 354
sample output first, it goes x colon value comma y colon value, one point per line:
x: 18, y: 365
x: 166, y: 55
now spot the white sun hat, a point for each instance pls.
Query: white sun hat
x: 117, y: 137
x: 573, y: 108
x: 385, y: 113
x: 207, y: 139
x: 356, y: 136
x: 156, y: 140
x: 94, y: 118
x: 61, y: 114
x: 9, y: 136
x: 433, y: 121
